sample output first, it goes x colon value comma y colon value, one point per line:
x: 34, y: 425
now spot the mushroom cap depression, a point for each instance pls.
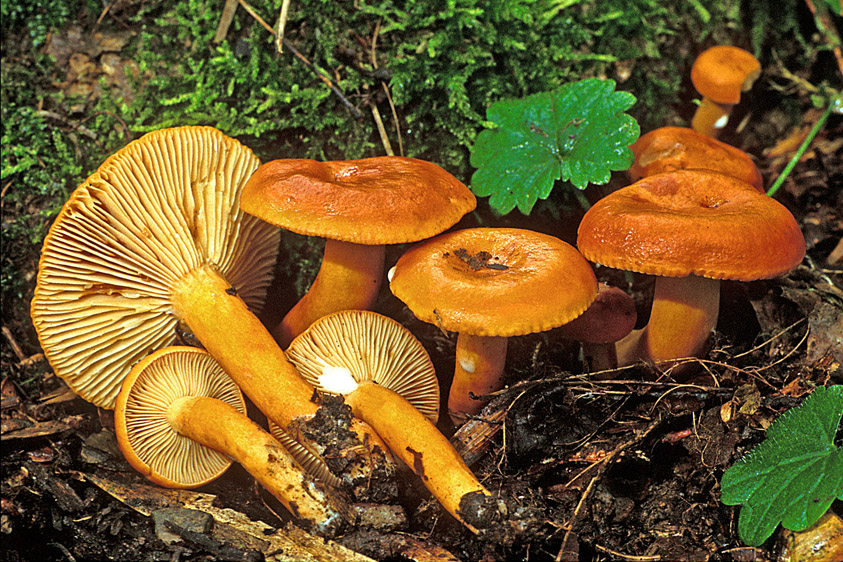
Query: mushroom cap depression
x: 372, y: 347
x: 722, y: 72
x: 677, y: 148
x: 160, y: 207
x: 692, y: 222
x: 145, y: 435
x: 494, y: 281
x: 373, y: 201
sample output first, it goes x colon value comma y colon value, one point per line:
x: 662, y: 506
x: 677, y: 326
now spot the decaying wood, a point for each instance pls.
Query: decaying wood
x: 45, y: 480
x: 39, y: 429
x: 232, y: 528
x: 473, y: 438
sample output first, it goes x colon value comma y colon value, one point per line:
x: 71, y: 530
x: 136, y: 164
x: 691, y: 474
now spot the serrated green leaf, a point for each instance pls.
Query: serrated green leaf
x: 577, y: 133
x: 793, y: 476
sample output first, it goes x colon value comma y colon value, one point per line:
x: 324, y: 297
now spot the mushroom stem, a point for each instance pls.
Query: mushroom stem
x: 348, y: 279
x: 221, y: 427
x: 599, y: 356
x: 479, y: 370
x: 710, y: 117
x: 412, y: 437
x: 246, y: 350
x: 683, y: 314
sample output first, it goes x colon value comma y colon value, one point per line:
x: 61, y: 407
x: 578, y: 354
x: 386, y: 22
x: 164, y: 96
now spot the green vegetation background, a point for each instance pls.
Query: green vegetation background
x: 442, y: 63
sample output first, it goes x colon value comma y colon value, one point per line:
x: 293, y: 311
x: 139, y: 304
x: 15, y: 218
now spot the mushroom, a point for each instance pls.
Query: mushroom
x: 720, y: 74
x: 180, y: 420
x: 154, y: 244
x: 690, y: 228
x: 409, y: 374
x: 489, y: 284
x: 388, y: 380
x: 607, y: 320
x: 358, y: 206
x: 677, y: 148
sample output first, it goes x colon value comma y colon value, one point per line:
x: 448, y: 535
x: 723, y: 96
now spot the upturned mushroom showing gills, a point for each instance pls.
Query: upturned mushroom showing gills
x: 489, y: 284
x: 152, y: 244
x: 690, y: 229
x: 720, y: 74
x: 406, y: 370
x: 678, y: 148
x: 388, y: 380
x: 358, y: 206
x: 180, y: 420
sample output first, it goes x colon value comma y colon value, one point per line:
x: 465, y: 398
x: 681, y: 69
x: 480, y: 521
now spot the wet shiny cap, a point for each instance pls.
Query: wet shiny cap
x: 721, y: 73
x: 494, y: 281
x: 692, y: 222
x: 383, y: 200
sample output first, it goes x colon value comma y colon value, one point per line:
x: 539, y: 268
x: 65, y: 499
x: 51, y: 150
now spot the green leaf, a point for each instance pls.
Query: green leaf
x: 794, y: 475
x: 576, y: 133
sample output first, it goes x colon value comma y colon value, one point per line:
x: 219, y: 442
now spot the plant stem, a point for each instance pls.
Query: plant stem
x: 802, y: 148
x: 581, y: 199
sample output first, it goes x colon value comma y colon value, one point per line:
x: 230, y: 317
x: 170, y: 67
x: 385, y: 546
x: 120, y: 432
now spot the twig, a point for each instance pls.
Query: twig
x: 826, y: 27
x: 225, y: 20
x: 387, y: 146
x: 374, y: 58
x: 82, y: 129
x: 354, y: 111
x: 394, y: 118
x: 604, y: 463
x: 13, y: 344
x: 623, y: 556
x: 279, y: 27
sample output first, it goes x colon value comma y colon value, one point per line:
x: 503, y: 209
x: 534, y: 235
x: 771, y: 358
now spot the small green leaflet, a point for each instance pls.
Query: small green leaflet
x: 577, y: 133
x: 793, y: 476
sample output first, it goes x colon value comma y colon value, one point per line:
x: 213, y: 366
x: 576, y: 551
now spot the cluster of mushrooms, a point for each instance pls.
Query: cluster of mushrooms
x: 177, y: 234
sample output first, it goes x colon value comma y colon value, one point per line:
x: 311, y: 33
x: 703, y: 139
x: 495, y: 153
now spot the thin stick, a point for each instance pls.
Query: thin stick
x: 354, y: 111
x: 279, y: 27
x: 604, y: 464
x: 652, y: 558
x: 394, y: 118
x: 225, y: 20
x: 387, y: 146
x: 14, y: 344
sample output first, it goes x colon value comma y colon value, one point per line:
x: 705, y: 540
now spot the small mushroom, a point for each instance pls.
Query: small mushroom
x: 489, y: 284
x: 690, y: 229
x: 678, y: 148
x: 607, y: 320
x: 180, y: 420
x: 347, y: 353
x: 720, y: 74
x: 404, y: 368
x: 152, y: 244
x: 358, y: 206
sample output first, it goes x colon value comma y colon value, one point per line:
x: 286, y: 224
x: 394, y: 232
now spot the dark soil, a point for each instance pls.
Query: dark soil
x: 625, y: 468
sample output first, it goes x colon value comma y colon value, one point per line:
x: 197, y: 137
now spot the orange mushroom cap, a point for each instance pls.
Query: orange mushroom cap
x: 677, y: 148
x: 494, y: 281
x: 696, y: 222
x: 383, y: 200
x: 721, y: 73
